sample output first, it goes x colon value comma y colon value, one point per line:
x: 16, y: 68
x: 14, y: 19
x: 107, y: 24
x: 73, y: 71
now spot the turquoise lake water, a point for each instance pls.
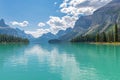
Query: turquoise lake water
x: 59, y: 62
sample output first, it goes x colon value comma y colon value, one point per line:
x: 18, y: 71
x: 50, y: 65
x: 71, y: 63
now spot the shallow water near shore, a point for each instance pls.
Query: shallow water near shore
x: 68, y: 61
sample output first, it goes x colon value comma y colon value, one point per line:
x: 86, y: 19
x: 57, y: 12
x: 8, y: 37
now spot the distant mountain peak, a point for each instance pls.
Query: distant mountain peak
x: 2, y: 20
x: 2, y: 23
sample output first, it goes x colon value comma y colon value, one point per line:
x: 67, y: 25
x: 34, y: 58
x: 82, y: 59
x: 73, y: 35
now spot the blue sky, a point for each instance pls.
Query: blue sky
x: 33, y: 11
x: 37, y: 17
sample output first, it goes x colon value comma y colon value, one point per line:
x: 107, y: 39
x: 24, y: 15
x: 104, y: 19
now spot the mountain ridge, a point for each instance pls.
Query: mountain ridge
x: 101, y: 20
x: 6, y: 29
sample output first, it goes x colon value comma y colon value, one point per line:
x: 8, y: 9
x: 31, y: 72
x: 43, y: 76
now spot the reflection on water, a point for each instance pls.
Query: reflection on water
x: 59, y: 62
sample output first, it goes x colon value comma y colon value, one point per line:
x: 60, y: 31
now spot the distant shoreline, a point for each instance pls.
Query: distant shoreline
x: 106, y: 43
x: 14, y: 42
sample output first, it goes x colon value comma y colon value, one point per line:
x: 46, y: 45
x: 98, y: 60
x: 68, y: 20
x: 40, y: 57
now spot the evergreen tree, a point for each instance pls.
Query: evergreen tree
x: 116, y: 33
x: 97, y: 37
x: 104, y: 37
x: 8, y: 38
x: 112, y: 36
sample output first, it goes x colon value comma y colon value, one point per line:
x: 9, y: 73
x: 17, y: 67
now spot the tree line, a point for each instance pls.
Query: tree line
x: 9, y: 39
x: 110, y: 36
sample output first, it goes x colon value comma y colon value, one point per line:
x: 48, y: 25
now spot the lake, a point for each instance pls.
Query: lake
x: 67, y: 61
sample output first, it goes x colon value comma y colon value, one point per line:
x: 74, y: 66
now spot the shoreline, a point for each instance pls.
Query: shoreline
x: 106, y: 43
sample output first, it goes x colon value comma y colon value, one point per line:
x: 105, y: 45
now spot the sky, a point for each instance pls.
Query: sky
x: 38, y: 17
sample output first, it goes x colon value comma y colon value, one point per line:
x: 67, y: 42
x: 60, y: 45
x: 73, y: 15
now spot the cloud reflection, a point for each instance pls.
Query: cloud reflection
x: 59, y: 62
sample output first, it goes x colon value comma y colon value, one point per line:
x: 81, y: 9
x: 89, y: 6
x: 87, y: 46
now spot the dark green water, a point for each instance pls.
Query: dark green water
x: 59, y: 62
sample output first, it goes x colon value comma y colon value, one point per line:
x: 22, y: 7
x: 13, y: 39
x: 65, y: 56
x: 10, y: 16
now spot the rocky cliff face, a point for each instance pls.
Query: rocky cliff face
x: 101, y: 20
x: 81, y: 26
x: 83, y: 22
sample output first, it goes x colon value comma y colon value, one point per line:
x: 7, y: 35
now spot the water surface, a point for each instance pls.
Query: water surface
x: 59, y: 62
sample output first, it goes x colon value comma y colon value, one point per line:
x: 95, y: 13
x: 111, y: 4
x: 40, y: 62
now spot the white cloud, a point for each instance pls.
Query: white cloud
x: 21, y: 24
x: 38, y: 32
x: 57, y: 23
x: 72, y: 9
x: 77, y: 7
x: 41, y: 24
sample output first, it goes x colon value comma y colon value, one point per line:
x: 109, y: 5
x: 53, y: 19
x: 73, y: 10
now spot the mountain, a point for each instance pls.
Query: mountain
x: 81, y: 26
x: 48, y: 36
x: 44, y: 38
x: 2, y: 23
x: 63, y: 32
x: 101, y: 20
x: 6, y: 29
x: 23, y: 34
x: 104, y: 18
